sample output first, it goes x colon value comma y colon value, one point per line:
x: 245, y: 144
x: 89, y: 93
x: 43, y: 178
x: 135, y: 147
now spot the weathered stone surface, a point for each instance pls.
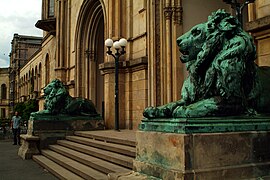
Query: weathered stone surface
x: 29, y: 146
x: 235, y: 155
x: 130, y: 176
x: 67, y: 125
x: 49, y: 131
x: 258, y: 25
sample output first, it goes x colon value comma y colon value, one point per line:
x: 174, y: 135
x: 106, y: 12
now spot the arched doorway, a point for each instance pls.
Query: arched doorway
x: 90, y: 52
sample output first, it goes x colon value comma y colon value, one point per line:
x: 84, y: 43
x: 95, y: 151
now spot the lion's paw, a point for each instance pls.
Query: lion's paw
x: 156, y: 112
x: 150, y: 112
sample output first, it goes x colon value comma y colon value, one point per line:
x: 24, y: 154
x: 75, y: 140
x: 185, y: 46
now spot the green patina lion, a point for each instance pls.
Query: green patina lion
x: 58, y: 101
x: 223, y: 79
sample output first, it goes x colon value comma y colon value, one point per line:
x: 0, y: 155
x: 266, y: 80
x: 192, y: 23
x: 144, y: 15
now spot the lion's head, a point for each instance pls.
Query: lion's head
x: 219, y: 56
x: 55, y: 94
x: 54, y: 88
x: 205, y: 42
x: 191, y: 43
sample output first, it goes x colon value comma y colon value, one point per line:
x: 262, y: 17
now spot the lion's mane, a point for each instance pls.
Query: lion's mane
x: 225, y: 64
x: 55, y: 96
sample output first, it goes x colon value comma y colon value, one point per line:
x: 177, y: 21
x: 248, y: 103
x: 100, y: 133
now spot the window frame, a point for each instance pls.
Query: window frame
x: 51, y: 8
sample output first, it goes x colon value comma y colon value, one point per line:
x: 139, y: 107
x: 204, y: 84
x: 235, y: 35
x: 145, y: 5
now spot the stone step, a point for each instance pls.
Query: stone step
x: 74, y: 166
x: 98, y: 164
x: 118, y: 148
x: 122, y: 137
x: 55, y: 168
x: 99, y: 153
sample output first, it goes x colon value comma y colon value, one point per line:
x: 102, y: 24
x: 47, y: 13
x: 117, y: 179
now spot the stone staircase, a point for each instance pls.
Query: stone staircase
x: 90, y: 155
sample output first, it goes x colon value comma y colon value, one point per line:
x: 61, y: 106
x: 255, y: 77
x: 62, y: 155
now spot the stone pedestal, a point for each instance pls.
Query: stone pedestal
x: 196, y: 152
x: 47, y: 130
x: 29, y: 146
x: 55, y: 128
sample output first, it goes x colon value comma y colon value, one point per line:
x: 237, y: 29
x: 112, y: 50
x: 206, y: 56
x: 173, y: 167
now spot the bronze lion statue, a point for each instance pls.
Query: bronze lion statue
x: 58, y: 101
x: 223, y: 78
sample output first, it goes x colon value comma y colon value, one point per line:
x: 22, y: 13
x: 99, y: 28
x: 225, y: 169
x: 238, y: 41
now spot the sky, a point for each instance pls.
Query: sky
x: 17, y: 16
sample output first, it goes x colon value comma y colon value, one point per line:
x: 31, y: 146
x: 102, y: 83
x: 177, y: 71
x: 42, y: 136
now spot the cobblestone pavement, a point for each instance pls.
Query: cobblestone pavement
x: 12, y: 167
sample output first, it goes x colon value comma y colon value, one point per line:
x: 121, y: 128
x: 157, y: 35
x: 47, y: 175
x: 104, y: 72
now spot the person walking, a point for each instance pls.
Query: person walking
x: 15, y: 125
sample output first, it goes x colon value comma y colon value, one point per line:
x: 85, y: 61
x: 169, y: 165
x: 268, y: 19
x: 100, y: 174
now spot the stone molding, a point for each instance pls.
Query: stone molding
x: 124, y: 66
x: 177, y: 14
x: 206, y: 124
x: 258, y: 25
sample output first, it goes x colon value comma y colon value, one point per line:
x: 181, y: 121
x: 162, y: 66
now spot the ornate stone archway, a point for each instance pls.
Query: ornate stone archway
x: 90, y: 52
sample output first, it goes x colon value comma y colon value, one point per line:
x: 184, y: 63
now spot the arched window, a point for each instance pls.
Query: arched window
x: 32, y: 81
x: 3, y: 91
x: 47, y: 65
x: 40, y: 77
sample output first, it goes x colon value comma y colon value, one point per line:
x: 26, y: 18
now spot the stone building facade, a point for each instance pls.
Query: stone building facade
x: 22, y: 49
x: 73, y: 51
x: 4, y: 93
x: 259, y: 26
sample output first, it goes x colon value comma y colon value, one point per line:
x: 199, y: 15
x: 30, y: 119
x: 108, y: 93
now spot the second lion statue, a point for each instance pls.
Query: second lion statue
x: 223, y: 78
x: 58, y: 101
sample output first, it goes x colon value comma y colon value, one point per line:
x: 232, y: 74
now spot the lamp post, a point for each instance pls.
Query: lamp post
x: 238, y: 7
x: 119, y: 46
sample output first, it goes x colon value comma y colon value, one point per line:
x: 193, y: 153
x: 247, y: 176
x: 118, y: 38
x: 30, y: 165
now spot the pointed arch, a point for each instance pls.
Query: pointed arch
x: 47, y: 69
x: 90, y: 51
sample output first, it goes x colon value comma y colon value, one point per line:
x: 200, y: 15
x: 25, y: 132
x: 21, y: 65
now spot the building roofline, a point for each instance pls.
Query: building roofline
x: 28, y: 36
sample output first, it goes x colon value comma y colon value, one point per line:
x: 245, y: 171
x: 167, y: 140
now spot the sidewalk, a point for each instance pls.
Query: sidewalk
x: 12, y: 167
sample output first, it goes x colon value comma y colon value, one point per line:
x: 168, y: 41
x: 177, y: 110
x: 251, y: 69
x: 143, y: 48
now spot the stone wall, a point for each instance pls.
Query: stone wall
x: 4, y: 102
x: 136, y: 95
x: 259, y: 17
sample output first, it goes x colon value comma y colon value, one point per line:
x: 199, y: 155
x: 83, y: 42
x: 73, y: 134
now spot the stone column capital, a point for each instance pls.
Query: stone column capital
x: 168, y: 12
x: 177, y: 14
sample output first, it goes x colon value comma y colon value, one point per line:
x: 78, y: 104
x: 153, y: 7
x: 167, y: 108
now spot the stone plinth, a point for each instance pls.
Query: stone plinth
x: 29, y: 146
x: 204, y: 148
x: 52, y: 129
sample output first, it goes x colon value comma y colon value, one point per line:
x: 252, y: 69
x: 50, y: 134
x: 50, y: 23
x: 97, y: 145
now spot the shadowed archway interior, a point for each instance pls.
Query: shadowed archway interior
x: 90, y: 52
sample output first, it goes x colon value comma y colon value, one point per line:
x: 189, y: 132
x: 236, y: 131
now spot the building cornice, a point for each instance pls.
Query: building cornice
x: 124, y: 66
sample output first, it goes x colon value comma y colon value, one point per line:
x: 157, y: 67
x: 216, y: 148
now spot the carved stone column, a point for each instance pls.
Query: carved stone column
x: 168, y: 76
x: 61, y: 39
x: 177, y: 66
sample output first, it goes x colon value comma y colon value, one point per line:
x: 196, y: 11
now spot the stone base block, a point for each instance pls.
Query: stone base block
x: 49, y: 131
x: 29, y: 146
x: 232, y: 155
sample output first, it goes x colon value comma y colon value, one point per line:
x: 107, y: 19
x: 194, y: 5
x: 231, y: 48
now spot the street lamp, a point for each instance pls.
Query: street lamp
x: 121, y: 44
x: 238, y: 7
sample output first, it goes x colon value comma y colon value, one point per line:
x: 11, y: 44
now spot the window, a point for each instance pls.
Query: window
x: 3, y: 91
x: 47, y: 66
x: 51, y: 8
x: 3, y: 113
